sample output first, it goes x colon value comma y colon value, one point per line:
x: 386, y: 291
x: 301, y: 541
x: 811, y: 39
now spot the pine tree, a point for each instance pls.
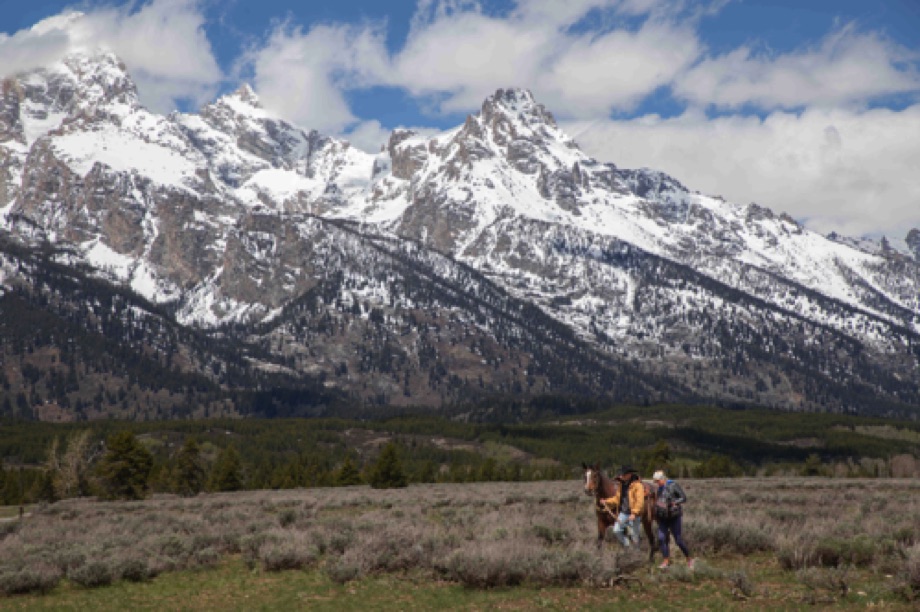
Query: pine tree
x: 44, y: 488
x: 348, y: 474
x: 189, y: 477
x: 125, y: 467
x: 227, y: 474
x: 388, y: 473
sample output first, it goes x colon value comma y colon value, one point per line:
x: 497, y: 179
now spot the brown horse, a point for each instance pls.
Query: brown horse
x: 599, y: 486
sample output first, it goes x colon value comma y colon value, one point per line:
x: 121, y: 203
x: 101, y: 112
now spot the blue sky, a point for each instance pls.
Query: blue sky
x: 806, y: 107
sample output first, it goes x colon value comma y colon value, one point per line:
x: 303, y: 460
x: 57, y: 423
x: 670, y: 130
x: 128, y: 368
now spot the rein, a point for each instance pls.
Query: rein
x: 599, y: 494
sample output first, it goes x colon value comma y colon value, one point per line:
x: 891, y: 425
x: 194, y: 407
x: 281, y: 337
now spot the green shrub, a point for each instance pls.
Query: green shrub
x: 796, y: 554
x: 68, y: 559
x: 859, y: 551
x: 741, y: 585
x: 287, y: 517
x: 343, y: 570
x: 207, y: 557
x: 278, y: 556
x: 551, y: 535
x: 482, y: 572
x: 728, y: 537
x: 93, y: 574
x: 907, y: 580
x: 171, y: 546
x: 39, y: 578
x: 133, y: 569
x: 8, y: 528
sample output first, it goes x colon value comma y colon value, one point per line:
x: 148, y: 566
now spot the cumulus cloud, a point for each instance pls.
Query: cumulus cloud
x: 461, y: 56
x: 162, y: 42
x: 456, y: 54
x: 42, y: 44
x: 846, y: 67
x: 840, y: 170
x: 597, y: 75
x: 302, y: 75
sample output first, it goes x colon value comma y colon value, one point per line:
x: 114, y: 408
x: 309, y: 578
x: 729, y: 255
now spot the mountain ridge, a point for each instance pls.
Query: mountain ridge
x: 228, y: 217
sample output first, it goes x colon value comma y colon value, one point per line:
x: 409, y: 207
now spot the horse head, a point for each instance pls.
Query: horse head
x: 592, y: 475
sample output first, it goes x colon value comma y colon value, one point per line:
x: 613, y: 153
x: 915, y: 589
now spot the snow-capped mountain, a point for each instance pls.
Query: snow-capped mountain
x: 484, y: 259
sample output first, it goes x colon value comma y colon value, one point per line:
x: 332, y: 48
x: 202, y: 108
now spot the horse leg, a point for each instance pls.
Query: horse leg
x: 650, y: 534
x: 601, y: 532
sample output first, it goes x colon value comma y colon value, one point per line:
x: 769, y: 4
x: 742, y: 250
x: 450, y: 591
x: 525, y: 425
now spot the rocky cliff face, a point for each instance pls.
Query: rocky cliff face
x: 493, y: 258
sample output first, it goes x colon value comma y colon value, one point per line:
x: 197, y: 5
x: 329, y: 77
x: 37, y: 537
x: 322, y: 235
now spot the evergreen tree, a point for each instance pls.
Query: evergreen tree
x: 189, y: 477
x: 659, y: 458
x: 348, y: 474
x: 387, y: 472
x: 125, y: 467
x: 718, y: 466
x: 227, y: 474
x: 43, y: 490
x: 812, y: 465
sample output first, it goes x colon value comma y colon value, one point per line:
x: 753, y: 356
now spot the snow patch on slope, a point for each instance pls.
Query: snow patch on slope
x: 124, y: 152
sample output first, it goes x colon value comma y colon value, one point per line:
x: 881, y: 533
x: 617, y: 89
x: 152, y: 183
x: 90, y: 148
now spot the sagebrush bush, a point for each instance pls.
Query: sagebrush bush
x: 207, y: 557
x: 742, y: 587
x: 907, y: 583
x: 727, y: 535
x: 286, y: 555
x: 8, y: 528
x: 343, y: 570
x: 832, y: 552
x: 480, y: 570
x: 37, y: 578
x: 132, y: 569
x: 479, y: 534
x: 93, y: 574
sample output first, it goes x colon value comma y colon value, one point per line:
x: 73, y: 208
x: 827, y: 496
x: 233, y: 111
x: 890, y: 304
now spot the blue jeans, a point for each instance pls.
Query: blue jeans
x: 672, y: 527
x: 619, y: 529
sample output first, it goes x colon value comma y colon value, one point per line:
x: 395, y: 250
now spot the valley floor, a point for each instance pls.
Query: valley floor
x: 762, y: 544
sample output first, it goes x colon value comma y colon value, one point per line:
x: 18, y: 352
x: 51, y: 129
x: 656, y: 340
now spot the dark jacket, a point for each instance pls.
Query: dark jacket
x: 673, y: 493
x: 671, y: 496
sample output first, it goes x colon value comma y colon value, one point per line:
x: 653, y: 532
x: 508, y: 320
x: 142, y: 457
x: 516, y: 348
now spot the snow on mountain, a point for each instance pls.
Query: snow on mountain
x: 204, y: 213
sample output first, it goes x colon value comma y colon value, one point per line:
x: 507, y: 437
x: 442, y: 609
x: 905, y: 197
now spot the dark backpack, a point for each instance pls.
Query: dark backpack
x: 665, y: 508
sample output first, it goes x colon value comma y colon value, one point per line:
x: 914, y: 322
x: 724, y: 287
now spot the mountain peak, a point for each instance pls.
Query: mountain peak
x: 517, y: 103
x: 247, y: 95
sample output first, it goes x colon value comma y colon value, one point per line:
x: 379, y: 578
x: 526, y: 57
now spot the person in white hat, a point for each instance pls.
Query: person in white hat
x: 668, y: 513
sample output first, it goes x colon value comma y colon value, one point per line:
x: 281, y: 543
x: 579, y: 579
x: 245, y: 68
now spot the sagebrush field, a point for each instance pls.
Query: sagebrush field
x: 767, y: 542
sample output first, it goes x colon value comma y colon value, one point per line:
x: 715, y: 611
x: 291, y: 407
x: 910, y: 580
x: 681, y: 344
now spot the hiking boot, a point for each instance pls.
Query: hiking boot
x: 664, y: 566
x: 691, y: 563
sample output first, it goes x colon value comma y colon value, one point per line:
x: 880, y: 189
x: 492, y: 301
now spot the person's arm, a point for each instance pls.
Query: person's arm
x: 636, y: 499
x: 677, y: 494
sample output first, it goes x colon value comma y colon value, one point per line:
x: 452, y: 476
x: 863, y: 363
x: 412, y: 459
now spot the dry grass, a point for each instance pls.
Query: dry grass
x: 480, y: 535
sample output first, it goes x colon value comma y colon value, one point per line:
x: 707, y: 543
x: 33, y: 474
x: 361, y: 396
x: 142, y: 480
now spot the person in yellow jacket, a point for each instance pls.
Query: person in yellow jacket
x: 627, y: 503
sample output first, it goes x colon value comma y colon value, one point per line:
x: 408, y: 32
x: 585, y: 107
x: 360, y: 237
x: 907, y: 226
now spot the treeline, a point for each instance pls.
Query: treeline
x: 692, y: 441
x: 128, y: 466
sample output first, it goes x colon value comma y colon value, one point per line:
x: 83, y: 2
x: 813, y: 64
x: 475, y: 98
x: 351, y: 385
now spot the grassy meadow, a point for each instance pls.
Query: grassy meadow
x: 768, y: 543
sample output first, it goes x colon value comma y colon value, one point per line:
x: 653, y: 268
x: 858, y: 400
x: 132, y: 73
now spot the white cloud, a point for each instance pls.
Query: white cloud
x: 368, y: 136
x: 839, y: 170
x: 596, y: 75
x: 846, y: 67
x: 456, y: 55
x: 462, y: 56
x: 162, y: 42
x: 28, y: 49
x: 302, y: 76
